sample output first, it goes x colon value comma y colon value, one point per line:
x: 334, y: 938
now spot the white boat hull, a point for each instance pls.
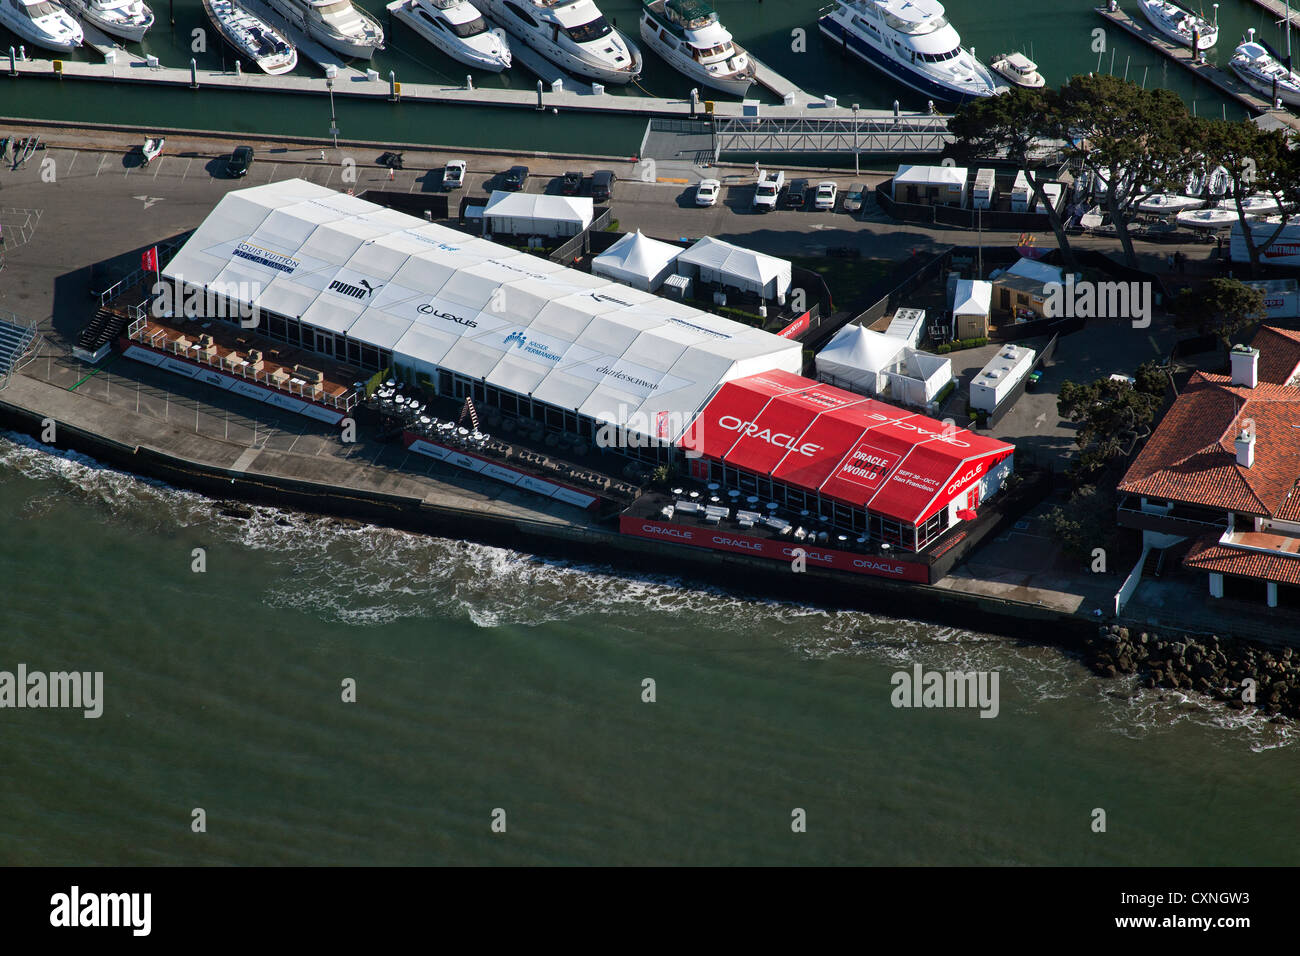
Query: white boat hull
x: 23, y: 28
x: 462, y: 52
x: 737, y: 84
x: 1288, y: 97
x: 121, y: 29
x: 1207, y: 218
x: 353, y: 48
x: 1205, y: 39
x: 1168, y: 204
x: 579, y: 64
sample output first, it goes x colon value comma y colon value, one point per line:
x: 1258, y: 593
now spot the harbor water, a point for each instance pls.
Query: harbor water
x: 1059, y: 36
x: 488, y: 681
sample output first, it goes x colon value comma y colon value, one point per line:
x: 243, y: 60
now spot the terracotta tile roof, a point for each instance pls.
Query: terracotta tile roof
x: 1279, y: 354
x: 1191, y: 457
x: 1208, y: 555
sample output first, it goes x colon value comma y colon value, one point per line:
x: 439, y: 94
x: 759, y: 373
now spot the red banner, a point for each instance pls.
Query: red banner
x: 149, y: 259
x: 774, y: 549
x: 797, y: 327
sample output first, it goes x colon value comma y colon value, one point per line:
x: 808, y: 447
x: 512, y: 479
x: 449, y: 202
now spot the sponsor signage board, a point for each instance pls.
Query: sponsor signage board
x: 776, y: 549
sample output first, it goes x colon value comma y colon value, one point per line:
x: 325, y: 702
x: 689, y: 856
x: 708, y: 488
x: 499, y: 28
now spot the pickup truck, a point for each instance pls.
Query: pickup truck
x: 768, y: 190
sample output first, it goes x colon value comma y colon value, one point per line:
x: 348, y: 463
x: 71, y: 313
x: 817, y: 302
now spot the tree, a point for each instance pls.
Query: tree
x: 1013, y: 125
x: 1258, y: 162
x: 1152, y: 378
x: 1113, y: 417
x: 1086, y: 522
x: 1138, y: 142
x: 1222, y: 308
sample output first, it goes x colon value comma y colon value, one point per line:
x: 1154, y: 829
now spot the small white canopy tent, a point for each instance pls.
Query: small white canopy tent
x: 712, y: 260
x: 858, y: 359
x: 918, y: 377
x: 534, y: 214
x: 638, y: 261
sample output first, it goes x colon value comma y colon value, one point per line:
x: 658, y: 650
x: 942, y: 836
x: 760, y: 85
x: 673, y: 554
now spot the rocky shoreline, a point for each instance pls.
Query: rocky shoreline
x: 1214, y: 667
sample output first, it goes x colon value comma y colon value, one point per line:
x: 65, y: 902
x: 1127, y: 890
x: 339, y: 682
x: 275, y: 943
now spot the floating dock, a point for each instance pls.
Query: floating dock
x: 1278, y: 10
x: 1224, y: 80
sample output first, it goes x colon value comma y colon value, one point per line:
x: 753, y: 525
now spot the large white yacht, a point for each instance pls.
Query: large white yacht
x: 43, y: 23
x: 912, y: 42
x: 124, y: 19
x: 1265, y: 73
x: 688, y: 35
x: 458, y: 29
x: 572, y: 34
x: 251, y: 37
x: 1182, y: 26
x: 344, y: 28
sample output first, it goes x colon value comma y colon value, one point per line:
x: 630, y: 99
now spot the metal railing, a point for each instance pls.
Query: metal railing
x: 280, y: 380
x: 24, y: 340
x: 917, y: 133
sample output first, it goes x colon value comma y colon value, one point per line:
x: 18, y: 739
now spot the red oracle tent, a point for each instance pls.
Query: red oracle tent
x: 854, y: 450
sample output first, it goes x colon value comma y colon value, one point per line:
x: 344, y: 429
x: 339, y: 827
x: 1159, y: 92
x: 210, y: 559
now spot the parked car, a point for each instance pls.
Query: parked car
x: 768, y: 190
x: 602, y: 185
x: 453, y: 174
x: 516, y: 177
x: 855, y: 198
x: 825, y: 198
x: 706, y: 192
x: 797, y: 195
x: 571, y: 184
x: 239, y: 162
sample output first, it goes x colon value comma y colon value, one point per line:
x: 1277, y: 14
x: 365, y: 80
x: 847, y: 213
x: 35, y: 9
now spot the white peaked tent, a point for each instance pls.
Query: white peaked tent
x: 712, y: 260
x: 858, y: 359
x: 638, y: 261
x: 535, y: 214
x: 359, y: 277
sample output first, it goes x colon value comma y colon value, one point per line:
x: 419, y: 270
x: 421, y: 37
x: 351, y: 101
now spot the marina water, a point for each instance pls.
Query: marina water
x: 1058, y: 35
x: 487, y: 679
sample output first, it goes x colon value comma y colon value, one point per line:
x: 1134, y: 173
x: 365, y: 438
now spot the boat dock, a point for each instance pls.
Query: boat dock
x: 1278, y: 10
x: 124, y: 67
x: 1223, y: 80
x: 767, y: 77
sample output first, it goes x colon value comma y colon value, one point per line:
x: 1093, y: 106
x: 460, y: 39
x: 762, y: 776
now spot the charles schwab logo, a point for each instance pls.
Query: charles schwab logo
x: 427, y: 309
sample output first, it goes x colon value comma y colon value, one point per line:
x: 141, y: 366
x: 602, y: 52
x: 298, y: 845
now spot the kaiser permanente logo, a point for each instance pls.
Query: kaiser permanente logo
x: 76, y: 690
x: 537, y: 349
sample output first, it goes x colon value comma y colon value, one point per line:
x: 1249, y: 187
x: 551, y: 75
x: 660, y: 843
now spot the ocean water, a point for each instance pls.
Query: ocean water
x: 1059, y: 35
x: 492, y: 680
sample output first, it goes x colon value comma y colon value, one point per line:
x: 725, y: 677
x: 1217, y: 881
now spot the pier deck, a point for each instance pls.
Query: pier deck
x: 1278, y: 10
x: 1223, y: 80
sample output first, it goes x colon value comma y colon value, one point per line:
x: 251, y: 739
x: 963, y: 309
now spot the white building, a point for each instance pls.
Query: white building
x: 714, y: 261
x: 985, y: 191
x: 918, y: 377
x: 908, y: 325
x: 930, y: 185
x: 377, y: 289
x: 534, y: 214
x: 971, y: 304
x: 638, y: 261
x: 1000, y: 376
x: 1021, y: 193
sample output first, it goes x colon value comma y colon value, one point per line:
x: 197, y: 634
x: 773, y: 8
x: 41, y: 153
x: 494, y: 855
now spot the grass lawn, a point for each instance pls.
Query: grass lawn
x: 848, y: 279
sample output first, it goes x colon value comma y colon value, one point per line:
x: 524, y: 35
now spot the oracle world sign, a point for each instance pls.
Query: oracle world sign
x: 781, y: 440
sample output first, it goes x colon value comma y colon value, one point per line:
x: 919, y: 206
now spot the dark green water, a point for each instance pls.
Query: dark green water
x: 488, y: 680
x: 1058, y: 35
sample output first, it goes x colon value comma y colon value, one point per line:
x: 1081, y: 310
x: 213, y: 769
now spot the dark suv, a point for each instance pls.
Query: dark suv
x: 796, y: 197
x: 571, y: 184
x: 240, y: 161
x: 516, y: 176
x: 602, y: 185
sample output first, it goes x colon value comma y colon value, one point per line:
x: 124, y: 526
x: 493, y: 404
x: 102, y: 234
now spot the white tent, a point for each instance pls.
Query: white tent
x: 1037, y: 271
x: 712, y: 260
x: 361, y: 280
x: 974, y: 297
x: 857, y: 359
x: 918, y: 377
x: 638, y: 261
x: 534, y: 214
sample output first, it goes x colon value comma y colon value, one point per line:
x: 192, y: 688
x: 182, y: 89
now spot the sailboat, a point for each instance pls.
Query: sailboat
x: 1261, y: 70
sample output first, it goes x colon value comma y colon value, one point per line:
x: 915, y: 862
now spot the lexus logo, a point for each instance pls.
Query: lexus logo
x: 450, y: 317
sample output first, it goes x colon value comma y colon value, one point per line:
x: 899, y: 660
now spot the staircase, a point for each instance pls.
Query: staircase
x: 1154, y: 563
x: 469, y: 410
x: 97, y: 338
x: 18, y: 344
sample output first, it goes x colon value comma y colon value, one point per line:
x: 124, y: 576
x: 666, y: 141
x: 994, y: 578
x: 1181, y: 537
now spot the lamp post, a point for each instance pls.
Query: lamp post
x: 330, y: 72
x: 856, y: 171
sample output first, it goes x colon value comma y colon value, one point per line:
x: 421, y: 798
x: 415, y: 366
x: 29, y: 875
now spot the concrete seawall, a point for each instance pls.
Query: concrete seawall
x: 590, y: 544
